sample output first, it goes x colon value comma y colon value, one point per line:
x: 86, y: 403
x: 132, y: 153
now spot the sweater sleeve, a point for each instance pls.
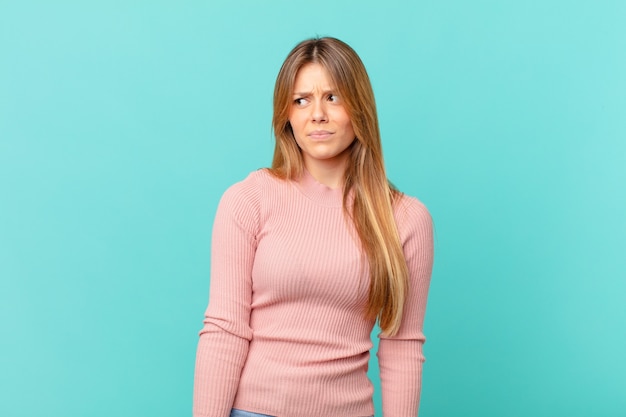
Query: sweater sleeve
x: 400, y: 357
x: 224, y: 339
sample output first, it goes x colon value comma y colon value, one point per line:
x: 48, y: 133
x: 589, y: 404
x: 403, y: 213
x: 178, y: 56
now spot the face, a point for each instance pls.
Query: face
x: 320, y: 123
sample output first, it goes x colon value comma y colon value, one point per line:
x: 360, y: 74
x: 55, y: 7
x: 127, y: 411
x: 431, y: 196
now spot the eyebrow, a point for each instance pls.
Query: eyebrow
x: 308, y: 93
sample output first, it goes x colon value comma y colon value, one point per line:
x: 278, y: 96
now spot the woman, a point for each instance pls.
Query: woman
x: 308, y: 254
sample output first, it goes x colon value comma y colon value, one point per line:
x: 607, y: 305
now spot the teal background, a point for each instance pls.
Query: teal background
x: 121, y: 124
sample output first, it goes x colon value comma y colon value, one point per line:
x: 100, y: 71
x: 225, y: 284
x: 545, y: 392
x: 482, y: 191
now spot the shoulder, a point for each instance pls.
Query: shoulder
x: 412, y: 216
x: 415, y: 228
x: 250, y: 189
x: 241, y: 201
x: 244, y: 200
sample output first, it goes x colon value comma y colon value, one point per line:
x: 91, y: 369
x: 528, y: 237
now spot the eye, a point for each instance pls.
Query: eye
x: 333, y: 98
x: 300, y: 101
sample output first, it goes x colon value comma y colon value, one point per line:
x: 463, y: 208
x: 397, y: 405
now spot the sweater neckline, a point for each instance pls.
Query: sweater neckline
x: 319, y: 193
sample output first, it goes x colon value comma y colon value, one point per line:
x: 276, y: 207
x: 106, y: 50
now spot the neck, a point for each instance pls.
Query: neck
x: 329, y: 173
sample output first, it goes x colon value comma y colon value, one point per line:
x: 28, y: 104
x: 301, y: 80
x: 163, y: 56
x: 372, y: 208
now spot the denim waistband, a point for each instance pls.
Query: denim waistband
x: 240, y: 413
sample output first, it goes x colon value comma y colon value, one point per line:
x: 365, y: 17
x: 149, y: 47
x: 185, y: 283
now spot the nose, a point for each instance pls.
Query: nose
x: 318, y: 111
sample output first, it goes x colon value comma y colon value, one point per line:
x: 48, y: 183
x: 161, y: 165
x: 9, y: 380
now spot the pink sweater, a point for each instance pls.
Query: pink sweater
x: 284, y: 333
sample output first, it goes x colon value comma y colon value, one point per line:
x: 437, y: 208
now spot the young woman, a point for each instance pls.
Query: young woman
x: 308, y: 254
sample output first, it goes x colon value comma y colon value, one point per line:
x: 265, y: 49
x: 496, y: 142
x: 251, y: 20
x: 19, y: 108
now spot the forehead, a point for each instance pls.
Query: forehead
x: 313, y: 76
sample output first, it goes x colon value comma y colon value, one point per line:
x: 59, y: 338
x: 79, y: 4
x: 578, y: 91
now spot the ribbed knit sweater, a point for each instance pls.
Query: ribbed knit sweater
x: 284, y: 333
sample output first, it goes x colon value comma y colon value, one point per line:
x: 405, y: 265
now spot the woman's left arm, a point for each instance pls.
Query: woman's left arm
x: 400, y: 357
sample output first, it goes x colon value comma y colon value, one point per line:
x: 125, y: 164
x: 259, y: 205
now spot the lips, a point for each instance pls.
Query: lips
x: 320, y: 134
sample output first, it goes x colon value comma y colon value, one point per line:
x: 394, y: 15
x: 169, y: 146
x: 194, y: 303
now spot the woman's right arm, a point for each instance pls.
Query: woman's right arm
x: 224, y: 339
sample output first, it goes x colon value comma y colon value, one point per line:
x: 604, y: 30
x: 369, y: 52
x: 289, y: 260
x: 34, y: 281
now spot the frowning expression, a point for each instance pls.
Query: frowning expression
x: 319, y: 121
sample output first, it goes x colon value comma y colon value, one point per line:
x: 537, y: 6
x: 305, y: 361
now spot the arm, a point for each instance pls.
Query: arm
x: 400, y: 357
x: 224, y: 339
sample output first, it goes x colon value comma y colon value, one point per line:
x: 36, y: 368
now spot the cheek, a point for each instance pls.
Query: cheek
x: 348, y: 126
x: 296, y: 129
x: 345, y: 120
x: 295, y: 122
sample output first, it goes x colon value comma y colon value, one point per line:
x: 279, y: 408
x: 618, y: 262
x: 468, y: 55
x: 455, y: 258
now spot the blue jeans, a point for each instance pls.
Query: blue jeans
x: 240, y: 413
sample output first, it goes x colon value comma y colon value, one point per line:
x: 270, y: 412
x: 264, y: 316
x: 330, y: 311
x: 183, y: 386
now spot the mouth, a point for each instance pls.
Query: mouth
x: 320, y: 134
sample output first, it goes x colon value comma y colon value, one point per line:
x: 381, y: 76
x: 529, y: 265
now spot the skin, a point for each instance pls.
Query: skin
x: 321, y: 125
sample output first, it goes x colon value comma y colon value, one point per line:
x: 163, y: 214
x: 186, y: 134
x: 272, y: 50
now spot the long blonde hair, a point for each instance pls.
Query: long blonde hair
x: 365, y: 177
